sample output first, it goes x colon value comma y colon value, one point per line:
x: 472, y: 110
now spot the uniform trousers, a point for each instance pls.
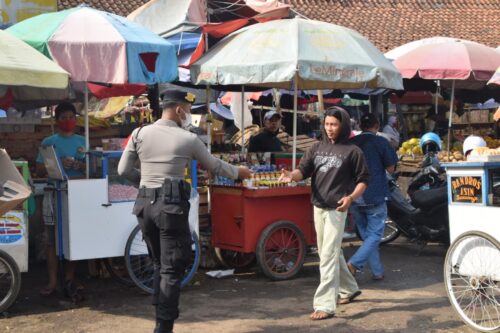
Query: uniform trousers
x: 165, y: 229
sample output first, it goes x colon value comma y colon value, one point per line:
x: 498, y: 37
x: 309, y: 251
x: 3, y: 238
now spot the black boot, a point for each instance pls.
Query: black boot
x: 164, y: 326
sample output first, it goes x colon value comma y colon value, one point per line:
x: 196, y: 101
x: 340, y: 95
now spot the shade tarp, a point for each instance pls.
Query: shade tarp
x: 324, y: 55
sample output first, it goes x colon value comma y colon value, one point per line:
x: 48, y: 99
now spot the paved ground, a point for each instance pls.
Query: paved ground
x: 412, y: 298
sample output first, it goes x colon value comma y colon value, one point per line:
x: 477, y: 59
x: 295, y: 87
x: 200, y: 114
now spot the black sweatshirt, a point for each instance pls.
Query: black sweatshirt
x: 265, y: 141
x: 334, y: 168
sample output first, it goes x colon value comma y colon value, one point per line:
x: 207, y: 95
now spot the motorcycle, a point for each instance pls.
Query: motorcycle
x: 423, y: 217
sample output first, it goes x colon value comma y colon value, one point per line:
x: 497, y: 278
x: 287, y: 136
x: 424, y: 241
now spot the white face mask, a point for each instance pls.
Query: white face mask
x: 186, y: 122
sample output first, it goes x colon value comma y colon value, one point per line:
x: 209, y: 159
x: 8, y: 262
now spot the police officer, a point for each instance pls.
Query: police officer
x: 164, y: 149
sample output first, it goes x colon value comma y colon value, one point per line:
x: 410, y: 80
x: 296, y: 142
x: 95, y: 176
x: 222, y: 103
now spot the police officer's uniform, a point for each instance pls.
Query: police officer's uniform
x: 164, y: 150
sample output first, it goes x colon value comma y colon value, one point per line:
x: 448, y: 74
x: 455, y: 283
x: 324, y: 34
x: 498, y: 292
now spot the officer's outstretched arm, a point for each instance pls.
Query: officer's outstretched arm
x: 212, y: 164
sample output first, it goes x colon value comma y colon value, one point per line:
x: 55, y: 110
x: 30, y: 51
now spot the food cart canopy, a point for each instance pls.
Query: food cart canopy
x: 325, y: 56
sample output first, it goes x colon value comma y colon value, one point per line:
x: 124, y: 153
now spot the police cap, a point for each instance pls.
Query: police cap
x: 178, y: 96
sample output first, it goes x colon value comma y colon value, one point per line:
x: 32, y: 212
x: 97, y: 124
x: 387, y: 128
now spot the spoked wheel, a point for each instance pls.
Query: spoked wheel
x: 10, y: 281
x: 472, y: 279
x: 234, y: 259
x: 140, y: 266
x: 391, y: 232
x: 281, y: 250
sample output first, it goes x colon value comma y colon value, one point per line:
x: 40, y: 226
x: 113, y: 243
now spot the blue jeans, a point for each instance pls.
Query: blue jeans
x: 370, y: 221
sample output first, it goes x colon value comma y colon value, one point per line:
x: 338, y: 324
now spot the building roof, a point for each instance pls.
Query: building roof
x: 119, y: 7
x: 391, y: 23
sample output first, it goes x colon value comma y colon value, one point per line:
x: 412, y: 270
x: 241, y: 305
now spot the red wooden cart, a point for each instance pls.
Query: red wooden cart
x: 274, y: 225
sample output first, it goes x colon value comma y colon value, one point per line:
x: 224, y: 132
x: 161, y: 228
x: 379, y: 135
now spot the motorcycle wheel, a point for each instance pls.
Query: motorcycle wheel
x: 391, y: 232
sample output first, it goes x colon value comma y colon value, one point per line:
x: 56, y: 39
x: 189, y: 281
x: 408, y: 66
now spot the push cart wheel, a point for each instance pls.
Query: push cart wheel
x: 10, y: 281
x: 391, y: 232
x: 472, y: 279
x: 117, y: 268
x: 140, y: 266
x: 281, y: 250
x: 234, y: 259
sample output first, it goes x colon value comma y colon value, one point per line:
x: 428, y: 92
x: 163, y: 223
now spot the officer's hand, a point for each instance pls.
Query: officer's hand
x: 286, y: 176
x: 244, y: 172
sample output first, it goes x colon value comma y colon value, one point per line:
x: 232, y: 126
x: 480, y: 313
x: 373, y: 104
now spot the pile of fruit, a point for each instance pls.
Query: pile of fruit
x: 454, y: 156
x: 411, y: 147
x: 491, y: 142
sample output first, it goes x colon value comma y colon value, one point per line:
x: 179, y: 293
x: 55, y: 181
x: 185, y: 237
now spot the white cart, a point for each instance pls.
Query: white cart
x: 97, y: 222
x: 472, y: 264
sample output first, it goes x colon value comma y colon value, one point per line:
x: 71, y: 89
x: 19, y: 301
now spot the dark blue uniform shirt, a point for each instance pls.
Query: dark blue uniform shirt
x: 378, y: 155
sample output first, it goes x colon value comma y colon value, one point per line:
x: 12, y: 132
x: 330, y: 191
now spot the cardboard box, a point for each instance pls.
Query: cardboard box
x: 15, y: 190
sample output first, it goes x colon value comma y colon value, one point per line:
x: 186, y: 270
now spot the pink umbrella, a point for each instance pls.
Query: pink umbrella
x: 468, y: 65
x: 495, y: 79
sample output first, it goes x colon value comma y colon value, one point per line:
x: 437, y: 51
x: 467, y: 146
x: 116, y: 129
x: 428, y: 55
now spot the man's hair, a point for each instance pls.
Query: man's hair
x: 170, y: 104
x: 368, y: 121
x: 64, y: 107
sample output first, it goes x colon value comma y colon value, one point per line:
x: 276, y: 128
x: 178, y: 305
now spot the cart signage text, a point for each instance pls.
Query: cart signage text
x: 466, y: 189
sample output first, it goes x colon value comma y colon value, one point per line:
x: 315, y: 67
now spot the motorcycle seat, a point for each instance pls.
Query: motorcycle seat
x: 429, y: 198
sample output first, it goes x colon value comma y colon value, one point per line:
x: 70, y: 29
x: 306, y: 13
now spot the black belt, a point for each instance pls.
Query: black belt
x: 170, y: 192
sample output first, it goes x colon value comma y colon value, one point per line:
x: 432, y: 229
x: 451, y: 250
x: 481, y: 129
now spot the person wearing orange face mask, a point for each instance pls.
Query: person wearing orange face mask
x: 70, y: 148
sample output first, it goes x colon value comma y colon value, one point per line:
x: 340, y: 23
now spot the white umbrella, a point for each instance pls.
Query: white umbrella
x: 296, y: 54
x: 33, y: 79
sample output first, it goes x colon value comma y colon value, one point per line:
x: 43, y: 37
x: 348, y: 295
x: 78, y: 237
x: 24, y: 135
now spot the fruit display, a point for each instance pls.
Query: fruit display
x: 454, y: 156
x: 411, y: 147
x: 491, y: 142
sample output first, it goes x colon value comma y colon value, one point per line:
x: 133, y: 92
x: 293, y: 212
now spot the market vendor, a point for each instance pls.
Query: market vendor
x: 69, y: 148
x: 267, y: 140
x: 339, y: 175
x: 164, y: 149
x: 392, y: 131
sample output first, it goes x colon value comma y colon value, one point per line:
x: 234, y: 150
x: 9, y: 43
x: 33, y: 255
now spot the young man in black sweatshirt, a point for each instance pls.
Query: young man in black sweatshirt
x: 339, y: 175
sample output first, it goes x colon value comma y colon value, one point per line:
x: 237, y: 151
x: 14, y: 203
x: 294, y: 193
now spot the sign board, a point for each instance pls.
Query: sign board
x: 466, y: 189
x: 14, y: 237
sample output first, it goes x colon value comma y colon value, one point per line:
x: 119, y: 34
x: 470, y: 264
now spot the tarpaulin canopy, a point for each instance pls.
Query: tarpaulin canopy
x: 27, y: 78
x: 169, y: 17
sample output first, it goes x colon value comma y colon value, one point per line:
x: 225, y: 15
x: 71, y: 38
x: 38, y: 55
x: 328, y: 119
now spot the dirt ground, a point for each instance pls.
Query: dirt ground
x: 412, y: 298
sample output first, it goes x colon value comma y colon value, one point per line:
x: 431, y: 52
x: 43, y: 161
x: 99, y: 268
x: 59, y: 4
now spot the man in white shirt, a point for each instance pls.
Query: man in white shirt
x: 391, y: 129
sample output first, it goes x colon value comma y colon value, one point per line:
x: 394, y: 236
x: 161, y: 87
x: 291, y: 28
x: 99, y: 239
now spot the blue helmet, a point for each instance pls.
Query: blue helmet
x: 430, y: 142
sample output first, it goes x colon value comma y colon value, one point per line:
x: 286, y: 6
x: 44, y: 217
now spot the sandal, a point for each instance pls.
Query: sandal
x: 347, y: 300
x: 73, y: 291
x: 47, y: 291
x: 321, y: 315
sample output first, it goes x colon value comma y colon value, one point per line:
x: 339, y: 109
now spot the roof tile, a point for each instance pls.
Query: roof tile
x: 391, y: 23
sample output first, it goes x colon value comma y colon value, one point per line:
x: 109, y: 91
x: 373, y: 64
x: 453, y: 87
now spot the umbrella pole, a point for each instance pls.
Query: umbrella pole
x: 294, y: 145
x: 209, y: 120
x: 242, y: 119
x: 452, y: 101
x: 87, y: 134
